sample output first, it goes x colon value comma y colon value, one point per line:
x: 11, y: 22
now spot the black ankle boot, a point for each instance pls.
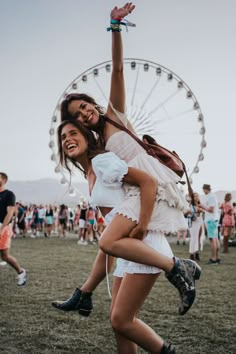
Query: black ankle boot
x: 168, y: 349
x: 197, y: 257
x: 79, y: 301
x: 183, y: 276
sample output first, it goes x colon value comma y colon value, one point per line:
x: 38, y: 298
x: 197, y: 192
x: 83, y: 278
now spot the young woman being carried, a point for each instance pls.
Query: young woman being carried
x: 80, y: 107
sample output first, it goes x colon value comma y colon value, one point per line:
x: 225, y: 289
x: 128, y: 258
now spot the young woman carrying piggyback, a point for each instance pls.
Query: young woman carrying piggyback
x: 168, y: 203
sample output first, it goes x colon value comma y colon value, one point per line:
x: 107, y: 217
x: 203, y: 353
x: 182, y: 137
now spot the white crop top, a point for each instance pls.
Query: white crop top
x: 108, y: 189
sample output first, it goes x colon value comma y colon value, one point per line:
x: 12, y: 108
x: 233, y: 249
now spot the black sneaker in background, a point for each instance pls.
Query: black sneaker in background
x: 213, y: 262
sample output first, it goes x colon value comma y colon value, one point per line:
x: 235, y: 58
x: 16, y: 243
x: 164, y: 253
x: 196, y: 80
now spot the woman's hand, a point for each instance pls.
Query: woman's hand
x: 139, y: 231
x: 119, y: 13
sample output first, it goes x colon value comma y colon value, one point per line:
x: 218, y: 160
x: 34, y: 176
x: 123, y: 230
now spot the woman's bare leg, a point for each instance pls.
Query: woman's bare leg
x: 98, y: 272
x: 180, y: 273
x: 81, y: 299
x: 124, y: 345
x: 132, y: 293
x: 5, y: 255
x: 115, y: 242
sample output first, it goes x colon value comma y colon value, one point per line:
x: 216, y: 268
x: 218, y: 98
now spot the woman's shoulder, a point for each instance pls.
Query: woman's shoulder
x: 106, y: 157
x: 109, y: 167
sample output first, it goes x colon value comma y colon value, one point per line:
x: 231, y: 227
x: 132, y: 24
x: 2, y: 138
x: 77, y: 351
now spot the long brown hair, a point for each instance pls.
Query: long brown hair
x: 65, y: 114
x: 94, y: 147
x: 228, y: 197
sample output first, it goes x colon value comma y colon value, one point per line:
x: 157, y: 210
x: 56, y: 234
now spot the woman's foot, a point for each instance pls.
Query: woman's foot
x: 79, y: 301
x: 183, y: 276
x: 168, y: 349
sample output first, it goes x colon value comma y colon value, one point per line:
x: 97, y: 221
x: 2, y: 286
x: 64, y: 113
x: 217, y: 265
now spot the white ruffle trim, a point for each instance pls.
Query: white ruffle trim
x: 164, y: 218
x: 155, y: 240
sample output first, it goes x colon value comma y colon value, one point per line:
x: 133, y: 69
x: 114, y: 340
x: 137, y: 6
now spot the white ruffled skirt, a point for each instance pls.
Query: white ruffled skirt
x: 165, y: 219
x: 155, y: 240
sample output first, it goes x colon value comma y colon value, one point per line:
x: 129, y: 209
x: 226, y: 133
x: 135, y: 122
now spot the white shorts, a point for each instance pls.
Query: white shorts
x: 155, y: 240
x: 82, y: 223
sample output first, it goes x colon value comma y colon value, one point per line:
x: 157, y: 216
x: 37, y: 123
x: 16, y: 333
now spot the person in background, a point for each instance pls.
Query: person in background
x: 77, y: 217
x: 35, y: 221
x: 83, y: 225
x: 211, y: 222
x: 63, y: 219
x: 71, y: 219
x: 21, y: 214
x: 49, y: 221
x: 234, y: 205
x: 7, y: 209
x: 100, y: 223
x: 55, y: 219
x: 91, y: 224
x: 41, y: 219
x: 29, y: 217
x: 196, y: 228
x: 228, y: 221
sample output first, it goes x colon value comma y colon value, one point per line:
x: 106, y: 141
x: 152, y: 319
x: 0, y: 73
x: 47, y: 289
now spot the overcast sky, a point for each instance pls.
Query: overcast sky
x: 45, y: 44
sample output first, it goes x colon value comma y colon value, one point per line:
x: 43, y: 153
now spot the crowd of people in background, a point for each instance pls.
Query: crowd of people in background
x: 209, y: 219
x: 44, y: 220
x: 87, y: 223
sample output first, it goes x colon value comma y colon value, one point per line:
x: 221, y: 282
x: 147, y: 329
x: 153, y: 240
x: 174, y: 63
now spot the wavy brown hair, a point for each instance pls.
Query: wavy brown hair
x: 65, y: 115
x: 94, y: 147
x: 228, y: 197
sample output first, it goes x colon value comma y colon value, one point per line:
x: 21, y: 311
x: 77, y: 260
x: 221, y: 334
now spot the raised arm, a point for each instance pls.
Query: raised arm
x: 117, y: 89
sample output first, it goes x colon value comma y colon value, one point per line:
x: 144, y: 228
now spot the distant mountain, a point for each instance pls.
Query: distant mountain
x: 51, y: 191
x: 48, y: 191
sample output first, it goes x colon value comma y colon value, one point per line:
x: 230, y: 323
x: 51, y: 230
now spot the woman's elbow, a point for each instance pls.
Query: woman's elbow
x: 154, y: 184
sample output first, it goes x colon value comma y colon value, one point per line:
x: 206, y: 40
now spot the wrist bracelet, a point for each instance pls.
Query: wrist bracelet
x: 115, y: 25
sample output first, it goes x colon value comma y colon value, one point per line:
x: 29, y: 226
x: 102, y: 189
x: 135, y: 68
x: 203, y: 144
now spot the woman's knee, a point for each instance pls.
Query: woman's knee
x: 4, y: 255
x: 105, y: 245
x: 118, y: 321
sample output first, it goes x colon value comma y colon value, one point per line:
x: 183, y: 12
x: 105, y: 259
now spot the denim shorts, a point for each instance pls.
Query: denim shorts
x: 212, y: 228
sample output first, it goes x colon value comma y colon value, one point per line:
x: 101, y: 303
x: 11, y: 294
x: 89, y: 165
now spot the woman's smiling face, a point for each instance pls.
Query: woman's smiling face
x: 73, y: 142
x: 85, y: 112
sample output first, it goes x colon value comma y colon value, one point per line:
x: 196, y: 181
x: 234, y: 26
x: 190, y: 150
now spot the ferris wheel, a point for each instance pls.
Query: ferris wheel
x: 158, y: 103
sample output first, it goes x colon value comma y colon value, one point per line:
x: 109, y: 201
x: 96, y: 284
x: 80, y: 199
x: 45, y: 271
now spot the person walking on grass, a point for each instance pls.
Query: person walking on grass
x: 7, y: 209
x: 211, y: 222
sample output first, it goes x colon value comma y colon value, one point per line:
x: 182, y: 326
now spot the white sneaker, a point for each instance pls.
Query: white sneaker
x: 80, y: 242
x: 3, y: 263
x: 21, y: 278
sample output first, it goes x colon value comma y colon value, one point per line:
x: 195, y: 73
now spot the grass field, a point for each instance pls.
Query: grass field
x: 29, y: 324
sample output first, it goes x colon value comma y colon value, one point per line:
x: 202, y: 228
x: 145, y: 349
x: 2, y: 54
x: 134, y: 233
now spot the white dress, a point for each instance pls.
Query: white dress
x: 109, y: 191
x: 127, y: 149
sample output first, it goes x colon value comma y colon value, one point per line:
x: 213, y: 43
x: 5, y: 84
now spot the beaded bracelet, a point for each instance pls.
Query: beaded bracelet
x: 115, y: 25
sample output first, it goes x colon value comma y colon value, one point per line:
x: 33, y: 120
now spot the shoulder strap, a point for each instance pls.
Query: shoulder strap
x: 122, y: 127
x: 146, y: 148
x: 139, y: 141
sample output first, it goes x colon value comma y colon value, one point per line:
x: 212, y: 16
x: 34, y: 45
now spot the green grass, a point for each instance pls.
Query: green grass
x: 29, y: 324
